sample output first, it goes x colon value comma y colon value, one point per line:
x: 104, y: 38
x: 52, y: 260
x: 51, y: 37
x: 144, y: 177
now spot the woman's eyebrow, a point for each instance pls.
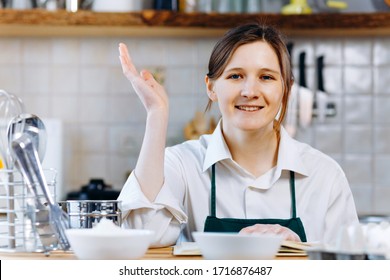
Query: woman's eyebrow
x: 262, y: 69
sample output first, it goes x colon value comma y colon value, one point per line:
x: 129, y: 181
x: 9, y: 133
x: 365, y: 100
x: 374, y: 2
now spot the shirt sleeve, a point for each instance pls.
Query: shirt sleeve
x: 165, y: 215
x: 341, y: 209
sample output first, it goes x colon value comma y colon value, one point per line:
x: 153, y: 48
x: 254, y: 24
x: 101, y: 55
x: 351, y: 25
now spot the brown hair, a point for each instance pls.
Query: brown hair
x: 249, y: 33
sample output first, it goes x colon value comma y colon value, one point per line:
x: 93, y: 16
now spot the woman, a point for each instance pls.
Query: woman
x: 249, y: 175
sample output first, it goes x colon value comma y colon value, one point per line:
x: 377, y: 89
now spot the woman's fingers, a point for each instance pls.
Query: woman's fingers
x: 275, y: 229
x: 128, y: 67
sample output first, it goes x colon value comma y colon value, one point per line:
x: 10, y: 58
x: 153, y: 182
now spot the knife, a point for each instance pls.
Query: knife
x: 321, y: 98
x: 305, y: 106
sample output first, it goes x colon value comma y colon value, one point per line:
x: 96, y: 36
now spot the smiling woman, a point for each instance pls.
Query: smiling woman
x: 267, y: 182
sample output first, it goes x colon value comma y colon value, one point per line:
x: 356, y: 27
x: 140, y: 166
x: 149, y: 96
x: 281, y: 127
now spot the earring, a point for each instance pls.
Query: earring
x: 212, y: 96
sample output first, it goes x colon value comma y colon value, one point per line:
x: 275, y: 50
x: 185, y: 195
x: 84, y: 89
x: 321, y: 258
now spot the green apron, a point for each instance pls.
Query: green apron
x: 214, y: 224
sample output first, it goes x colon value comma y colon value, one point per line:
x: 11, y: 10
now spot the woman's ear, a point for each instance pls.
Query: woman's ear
x: 210, y: 89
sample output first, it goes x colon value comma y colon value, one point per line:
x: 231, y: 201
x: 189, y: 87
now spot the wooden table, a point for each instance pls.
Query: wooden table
x: 165, y: 253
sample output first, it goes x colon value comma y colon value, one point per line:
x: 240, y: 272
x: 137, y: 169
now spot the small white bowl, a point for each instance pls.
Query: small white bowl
x: 233, y: 246
x: 112, y: 243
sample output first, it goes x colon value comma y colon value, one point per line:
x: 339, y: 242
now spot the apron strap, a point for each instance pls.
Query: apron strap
x: 213, y: 185
x: 292, y: 188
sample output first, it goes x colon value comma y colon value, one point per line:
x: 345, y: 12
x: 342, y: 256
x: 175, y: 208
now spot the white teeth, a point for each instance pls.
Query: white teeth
x: 249, y: 108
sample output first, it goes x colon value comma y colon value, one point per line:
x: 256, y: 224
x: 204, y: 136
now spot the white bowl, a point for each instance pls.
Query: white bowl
x: 233, y: 246
x: 109, y: 244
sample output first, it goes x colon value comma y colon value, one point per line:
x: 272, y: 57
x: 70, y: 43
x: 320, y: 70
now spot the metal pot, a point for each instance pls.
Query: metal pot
x: 88, y: 213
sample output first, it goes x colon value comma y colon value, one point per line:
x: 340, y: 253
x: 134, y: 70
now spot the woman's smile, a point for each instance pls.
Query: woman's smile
x: 249, y: 108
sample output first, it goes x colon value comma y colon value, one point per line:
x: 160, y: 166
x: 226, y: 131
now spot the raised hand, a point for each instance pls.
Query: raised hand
x: 150, y: 92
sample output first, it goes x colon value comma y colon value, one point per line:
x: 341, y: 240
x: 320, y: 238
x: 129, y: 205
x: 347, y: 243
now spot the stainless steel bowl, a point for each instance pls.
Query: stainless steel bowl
x: 88, y: 213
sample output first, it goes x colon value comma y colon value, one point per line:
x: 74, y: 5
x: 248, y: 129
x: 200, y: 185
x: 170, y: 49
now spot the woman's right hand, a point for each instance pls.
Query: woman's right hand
x: 151, y: 93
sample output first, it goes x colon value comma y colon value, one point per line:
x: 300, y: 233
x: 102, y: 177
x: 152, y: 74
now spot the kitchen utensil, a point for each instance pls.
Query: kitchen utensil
x: 24, y: 149
x: 107, y: 241
x: 321, y: 98
x: 10, y: 106
x: 39, y: 214
x: 305, y: 95
x: 233, y: 246
x: 88, y: 213
x: 33, y: 126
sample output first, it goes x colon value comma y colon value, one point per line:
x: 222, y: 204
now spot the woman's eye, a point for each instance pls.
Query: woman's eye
x: 234, y: 76
x: 266, y: 77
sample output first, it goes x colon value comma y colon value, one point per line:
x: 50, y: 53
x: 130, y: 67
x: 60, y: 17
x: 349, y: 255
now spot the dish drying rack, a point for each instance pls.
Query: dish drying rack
x: 17, y: 228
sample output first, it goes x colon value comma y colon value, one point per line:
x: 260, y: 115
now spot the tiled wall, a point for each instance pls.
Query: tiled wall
x: 79, y: 80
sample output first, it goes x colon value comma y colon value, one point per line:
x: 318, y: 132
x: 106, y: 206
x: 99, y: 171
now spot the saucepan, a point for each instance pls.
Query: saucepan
x: 88, y: 213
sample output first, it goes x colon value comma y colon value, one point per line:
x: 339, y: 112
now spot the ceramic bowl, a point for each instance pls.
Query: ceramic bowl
x: 228, y: 246
x: 109, y: 243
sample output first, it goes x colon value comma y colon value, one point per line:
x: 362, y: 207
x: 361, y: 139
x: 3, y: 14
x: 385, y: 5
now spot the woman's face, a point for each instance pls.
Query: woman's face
x: 249, y: 91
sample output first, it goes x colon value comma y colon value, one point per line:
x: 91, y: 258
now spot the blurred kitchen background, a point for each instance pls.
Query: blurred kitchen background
x: 78, y: 82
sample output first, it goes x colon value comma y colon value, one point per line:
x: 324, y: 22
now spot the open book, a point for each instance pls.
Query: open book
x: 288, y: 248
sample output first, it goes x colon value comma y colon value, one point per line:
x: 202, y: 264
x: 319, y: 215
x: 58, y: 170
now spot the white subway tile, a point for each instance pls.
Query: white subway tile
x: 125, y: 109
x: 37, y: 104
x: 328, y: 139
x: 65, y: 51
x: 382, y: 51
x: 181, y: 52
x: 66, y: 108
x: 381, y: 170
x: 93, y: 109
x: 36, y: 79
x: 94, y: 51
x: 180, y: 81
x: 11, y: 79
x: 36, y: 51
x: 381, y: 203
x: 358, y: 109
x: 358, y: 139
x: 65, y: 80
x: 381, y: 80
x: 358, y: 51
x: 382, y: 139
x: 358, y: 169
x: 94, y: 81
x: 11, y: 51
x: 357, y: 80
x: 93, y: 138
x: 382, y: 109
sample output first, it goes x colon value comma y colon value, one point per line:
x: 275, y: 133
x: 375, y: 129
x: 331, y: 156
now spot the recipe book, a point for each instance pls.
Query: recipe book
x: 288, y: 248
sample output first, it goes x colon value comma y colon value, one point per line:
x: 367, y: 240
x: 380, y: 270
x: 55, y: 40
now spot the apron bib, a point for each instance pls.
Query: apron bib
x: 214, y: 224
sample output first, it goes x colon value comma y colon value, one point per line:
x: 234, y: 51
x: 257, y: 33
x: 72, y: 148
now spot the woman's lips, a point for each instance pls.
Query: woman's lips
x: 249, y: 108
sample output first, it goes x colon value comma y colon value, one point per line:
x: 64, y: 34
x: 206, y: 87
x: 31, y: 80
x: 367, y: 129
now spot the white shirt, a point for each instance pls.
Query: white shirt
x: 324, y: 200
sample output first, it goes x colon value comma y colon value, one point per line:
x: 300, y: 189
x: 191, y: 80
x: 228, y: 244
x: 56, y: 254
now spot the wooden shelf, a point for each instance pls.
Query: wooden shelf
x: 175, y: 24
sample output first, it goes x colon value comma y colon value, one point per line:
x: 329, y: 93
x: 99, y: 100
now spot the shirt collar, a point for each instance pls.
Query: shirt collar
x: 289, y: 156
x: 217, y: 148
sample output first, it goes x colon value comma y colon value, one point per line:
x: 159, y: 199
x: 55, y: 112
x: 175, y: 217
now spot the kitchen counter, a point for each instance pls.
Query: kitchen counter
x: 165, y: 253
x: 39, y: 22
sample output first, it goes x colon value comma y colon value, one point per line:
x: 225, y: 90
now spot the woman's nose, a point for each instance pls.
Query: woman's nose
x: 250, y: 90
